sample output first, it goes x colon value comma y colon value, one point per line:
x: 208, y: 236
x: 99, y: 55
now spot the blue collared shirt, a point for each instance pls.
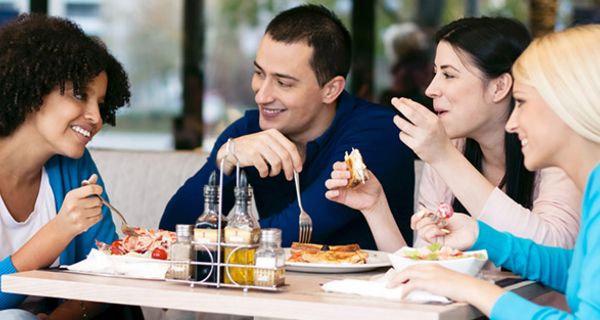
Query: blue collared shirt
x: 357, y: 124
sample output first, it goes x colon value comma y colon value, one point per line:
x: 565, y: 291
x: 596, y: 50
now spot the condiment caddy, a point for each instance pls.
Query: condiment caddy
x: 228, y: 252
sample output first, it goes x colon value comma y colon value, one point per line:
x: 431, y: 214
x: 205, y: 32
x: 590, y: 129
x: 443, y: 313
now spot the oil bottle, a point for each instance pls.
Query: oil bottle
x: 242, y: 229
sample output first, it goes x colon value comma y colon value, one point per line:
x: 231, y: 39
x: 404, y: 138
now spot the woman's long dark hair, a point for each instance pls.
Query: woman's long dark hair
x: 494, y: 44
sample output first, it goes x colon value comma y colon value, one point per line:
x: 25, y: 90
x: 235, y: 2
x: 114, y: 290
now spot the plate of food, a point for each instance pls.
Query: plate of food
x: 137, y: 256
x: 318, y: 258
x: 146, y: 243
x: 468, y: 262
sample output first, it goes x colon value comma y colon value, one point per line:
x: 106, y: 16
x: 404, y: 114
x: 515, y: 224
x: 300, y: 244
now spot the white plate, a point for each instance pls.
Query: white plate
x: 376, y: 259
x: 98, y: 262
x: 110, y: 275
x: 470, y: 265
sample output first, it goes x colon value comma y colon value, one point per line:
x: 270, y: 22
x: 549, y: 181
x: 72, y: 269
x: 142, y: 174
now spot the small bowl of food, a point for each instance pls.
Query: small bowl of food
x: 468, y: 262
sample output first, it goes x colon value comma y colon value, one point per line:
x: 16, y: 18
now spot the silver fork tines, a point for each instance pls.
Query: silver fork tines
x: 305, y: 232
x: 125, y: 228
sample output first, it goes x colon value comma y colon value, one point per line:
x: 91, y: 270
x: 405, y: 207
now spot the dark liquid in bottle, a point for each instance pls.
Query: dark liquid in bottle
x: 205, y: 272
x: 208, y: 273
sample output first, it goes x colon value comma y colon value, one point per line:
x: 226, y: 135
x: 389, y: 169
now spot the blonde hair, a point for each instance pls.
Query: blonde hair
x: 564, y: 68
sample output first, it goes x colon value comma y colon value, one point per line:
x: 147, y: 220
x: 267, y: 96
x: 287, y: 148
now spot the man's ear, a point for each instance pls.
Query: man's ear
x: 332, y: 89
x: 501, y: 87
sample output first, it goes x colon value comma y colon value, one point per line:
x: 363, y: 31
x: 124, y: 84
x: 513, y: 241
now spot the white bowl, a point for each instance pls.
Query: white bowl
x: 470, y: 265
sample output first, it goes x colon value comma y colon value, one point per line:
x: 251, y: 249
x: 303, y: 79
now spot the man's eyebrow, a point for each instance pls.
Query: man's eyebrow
x: 286, y: 76
x: 278, y: 75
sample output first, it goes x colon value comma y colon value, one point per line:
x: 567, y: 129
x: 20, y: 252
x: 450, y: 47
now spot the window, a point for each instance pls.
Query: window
x: 145, y: 36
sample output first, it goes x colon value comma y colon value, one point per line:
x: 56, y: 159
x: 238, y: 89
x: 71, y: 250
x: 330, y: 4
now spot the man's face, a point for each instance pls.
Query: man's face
x: 286, y: 89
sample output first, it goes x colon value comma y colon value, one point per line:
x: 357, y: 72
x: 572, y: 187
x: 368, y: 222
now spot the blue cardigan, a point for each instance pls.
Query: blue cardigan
x: 357, y: 124
x: 66, y: 174
x: 575, y: 272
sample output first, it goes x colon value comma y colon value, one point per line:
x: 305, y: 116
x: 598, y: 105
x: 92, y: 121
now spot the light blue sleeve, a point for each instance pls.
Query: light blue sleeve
x: 581, y: 265
x: 66, y: 174
x: 8, y: 300
x: 525, y: 258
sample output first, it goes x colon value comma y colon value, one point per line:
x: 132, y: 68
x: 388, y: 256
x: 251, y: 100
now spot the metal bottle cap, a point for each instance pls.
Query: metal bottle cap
x: 272, y: 235
x: 211, y: 190
x: 242, y: 192
x: 184, y: 230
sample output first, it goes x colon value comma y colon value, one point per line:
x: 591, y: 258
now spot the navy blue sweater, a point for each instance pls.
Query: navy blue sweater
x: 357, y: 124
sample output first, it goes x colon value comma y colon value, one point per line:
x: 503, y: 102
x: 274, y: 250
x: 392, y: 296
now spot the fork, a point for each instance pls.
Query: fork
x: 305, y: 222
x: 125, y: 228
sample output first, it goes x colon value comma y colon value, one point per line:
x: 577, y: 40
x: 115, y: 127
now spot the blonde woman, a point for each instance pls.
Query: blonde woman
x: 557, y: 118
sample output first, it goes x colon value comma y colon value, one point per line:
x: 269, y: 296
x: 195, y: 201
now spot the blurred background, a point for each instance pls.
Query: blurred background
x: 190, y: 62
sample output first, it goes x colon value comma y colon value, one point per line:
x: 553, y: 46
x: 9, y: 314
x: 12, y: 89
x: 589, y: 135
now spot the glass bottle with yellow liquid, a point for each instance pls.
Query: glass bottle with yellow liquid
x: 242, y: 229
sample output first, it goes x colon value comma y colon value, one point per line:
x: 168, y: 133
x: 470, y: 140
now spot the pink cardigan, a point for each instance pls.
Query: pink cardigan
x: 553, y: 221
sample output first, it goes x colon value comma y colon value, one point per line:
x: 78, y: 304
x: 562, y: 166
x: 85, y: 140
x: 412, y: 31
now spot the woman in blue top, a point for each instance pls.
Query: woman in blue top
x: 557, y: 118
x: 57, y: 88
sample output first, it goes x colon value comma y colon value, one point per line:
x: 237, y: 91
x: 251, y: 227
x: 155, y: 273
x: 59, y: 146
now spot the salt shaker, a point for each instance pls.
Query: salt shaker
x: 270, y: 259
x: 181, y: 250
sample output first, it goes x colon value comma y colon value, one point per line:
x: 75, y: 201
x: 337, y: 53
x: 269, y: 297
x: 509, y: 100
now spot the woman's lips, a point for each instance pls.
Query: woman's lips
x: 82, y: 134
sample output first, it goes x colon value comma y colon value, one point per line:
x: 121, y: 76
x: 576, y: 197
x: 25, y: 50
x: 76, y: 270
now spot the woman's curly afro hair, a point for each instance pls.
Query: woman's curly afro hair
x: 40, y: 53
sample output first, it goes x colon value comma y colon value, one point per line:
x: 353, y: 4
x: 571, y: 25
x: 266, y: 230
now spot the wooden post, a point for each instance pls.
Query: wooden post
x: 542, y: 15
x: 38, y: 6
x: 363, y: 47
x: 188, y: 128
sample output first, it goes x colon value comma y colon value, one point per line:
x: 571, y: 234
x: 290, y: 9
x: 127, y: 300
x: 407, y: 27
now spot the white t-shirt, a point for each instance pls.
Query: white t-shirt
x: 13, y: 234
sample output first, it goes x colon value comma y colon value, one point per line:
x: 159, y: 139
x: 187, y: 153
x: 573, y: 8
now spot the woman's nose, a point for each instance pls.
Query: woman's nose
x: 512, y: 125
x: 432, y: 90
x: 92, y: 113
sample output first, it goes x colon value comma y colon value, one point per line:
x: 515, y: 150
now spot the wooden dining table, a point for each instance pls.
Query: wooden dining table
x: 302, y: 298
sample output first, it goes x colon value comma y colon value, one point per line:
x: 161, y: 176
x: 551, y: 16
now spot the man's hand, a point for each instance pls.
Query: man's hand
x: 268, y: 151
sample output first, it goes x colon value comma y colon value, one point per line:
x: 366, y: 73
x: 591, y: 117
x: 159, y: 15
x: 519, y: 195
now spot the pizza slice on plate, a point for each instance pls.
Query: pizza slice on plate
x: 318, y: 253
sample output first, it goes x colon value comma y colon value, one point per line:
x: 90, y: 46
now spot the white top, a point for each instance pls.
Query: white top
x: 13, y: 234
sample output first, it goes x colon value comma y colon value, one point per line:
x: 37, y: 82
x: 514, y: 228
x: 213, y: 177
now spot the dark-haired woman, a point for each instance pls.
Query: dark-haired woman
x: 57, y: 88
x: 470, y: 161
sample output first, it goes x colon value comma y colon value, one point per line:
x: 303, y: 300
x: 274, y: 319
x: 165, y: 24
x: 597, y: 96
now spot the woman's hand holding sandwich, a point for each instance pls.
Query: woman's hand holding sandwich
x: 368, y: 197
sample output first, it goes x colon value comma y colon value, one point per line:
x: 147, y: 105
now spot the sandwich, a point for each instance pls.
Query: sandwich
x: 358, y: 170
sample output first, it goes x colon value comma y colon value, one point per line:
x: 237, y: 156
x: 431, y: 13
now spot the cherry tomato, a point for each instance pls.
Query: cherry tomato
x: 116, y: 248
x: 159, y: 253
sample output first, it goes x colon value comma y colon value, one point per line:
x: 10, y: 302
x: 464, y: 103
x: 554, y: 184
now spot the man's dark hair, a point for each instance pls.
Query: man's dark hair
x: 40, y: 53
x: 322, y: 30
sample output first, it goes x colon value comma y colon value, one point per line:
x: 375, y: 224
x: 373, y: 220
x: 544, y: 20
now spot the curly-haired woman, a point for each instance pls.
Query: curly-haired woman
x: 57, y: 88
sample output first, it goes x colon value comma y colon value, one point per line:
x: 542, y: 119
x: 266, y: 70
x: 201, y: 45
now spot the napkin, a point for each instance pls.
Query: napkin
x: 377, y: 287
x: 100, y: 262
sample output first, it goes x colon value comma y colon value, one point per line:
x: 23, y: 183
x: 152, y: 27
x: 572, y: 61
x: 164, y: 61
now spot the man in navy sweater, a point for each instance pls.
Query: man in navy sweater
x: 305, y: 122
